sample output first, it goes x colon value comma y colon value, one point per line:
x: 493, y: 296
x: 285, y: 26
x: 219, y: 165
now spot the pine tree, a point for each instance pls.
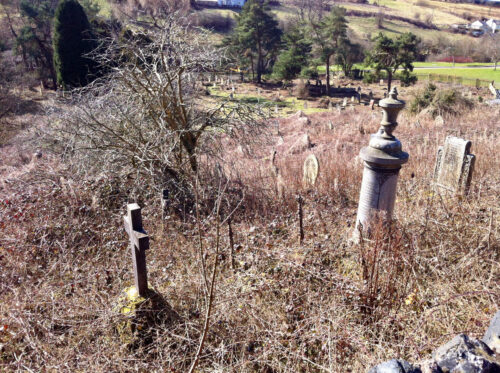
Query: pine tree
x: 327, y: 35
x: 257, y: 30
x: 391, y: 54
x: 295, y: 55
x: 72, y: 41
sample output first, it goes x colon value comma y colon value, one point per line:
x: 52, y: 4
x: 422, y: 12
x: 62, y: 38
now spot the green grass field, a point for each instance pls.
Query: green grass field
x: 483, y: 74
x: 450, y: 65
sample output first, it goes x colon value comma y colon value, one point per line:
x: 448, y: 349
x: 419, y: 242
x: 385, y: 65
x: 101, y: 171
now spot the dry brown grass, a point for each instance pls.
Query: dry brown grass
x: 64, y: 260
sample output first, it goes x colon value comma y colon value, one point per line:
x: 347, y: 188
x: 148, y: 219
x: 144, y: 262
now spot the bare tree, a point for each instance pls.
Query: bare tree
x: 149, y: 117
x: 493, y: 47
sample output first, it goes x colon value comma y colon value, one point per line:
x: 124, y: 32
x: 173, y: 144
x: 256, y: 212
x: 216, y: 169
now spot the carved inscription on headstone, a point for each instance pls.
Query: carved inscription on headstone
x: 454, y: 165
x: 311, y: 170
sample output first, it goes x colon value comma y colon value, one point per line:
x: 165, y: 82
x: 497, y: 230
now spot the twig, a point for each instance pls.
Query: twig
x: 210, y: 296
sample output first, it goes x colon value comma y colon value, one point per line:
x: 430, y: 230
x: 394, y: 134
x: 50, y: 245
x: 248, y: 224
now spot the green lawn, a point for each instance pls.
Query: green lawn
x: 449, y: 64
x: 483, y: 74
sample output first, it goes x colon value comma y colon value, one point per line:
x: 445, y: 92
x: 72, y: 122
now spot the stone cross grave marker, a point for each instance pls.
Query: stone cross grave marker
x: 139, y: 243
x: 311, y: 170
x: 454, y: 165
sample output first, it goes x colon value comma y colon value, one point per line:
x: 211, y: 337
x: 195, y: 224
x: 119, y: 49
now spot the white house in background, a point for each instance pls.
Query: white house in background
x: 232, y: 3
x: 494, y: 25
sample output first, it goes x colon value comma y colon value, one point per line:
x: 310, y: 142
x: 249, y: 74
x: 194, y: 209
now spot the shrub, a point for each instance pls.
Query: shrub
x: 309, y: 72
x: 371, y: 77
x: 439, y: 102
x: 71, y: 42
x: 407, y: 78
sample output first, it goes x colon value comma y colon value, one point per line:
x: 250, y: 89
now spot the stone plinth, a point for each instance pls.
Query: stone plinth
x: 382, y: 158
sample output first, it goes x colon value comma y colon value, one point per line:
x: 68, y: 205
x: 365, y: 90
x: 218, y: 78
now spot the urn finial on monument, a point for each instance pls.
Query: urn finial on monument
x: 382, y: 158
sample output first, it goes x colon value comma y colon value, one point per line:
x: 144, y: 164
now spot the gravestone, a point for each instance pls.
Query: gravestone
x: 329, y: 125
x: 381, y: 81
x: 139, y: 243
x: 276, y: 109
x: 439, y: 121
x: 454, y: 165
x: 311, y: 170
x: 344, y: 103
x: 495, y: 92
x: 330, y: 108
x: 372, y: 104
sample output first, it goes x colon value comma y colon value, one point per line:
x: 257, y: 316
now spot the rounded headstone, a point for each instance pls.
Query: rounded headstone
x: 311, y: 170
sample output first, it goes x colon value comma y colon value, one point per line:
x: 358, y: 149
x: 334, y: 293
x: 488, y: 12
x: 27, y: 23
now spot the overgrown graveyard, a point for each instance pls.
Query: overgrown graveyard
x: 176, y: 215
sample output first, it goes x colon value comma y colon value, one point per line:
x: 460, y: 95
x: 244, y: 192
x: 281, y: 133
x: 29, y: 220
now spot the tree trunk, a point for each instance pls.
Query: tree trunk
x: 328, y: 76
x: 259, y: 64
x: 389, y: 80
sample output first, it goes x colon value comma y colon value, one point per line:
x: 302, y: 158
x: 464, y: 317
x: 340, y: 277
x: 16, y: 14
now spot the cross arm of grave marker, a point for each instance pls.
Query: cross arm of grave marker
x: 139, y: 243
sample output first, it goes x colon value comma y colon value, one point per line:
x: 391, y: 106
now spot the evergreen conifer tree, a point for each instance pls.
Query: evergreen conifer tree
x: 72, y: 41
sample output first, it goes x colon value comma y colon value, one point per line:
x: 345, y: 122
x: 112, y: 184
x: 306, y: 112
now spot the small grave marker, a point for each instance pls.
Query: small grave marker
x: 330, y: 125
x: 439, y: 121
x: 311, y: 170
x: 494, y: 91
x: 352, y: 98
x: 381, y: 81
x: 372, y: 104
x: 344, y: 103
x: 139, y: 243
x: 454, y: 165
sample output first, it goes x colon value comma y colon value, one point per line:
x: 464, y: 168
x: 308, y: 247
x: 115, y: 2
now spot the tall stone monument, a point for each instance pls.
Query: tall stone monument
x: 382, y: 158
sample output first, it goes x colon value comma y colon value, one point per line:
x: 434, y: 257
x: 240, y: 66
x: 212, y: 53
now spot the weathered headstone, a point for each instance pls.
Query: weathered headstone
x: 139, y: 243
x: 381, y: 81
x: 352, y: 98
x: 454, y: 165
x: 439, y: 121
x: 311, y: 170
x: 330, y: 107
x: 495, y: 92
x: 276, y: 109
x: 344, y: 103
x: 372, y: 104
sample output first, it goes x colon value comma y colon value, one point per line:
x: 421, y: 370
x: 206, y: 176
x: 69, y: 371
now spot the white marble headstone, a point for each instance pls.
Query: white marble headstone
x: 311, y: 170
